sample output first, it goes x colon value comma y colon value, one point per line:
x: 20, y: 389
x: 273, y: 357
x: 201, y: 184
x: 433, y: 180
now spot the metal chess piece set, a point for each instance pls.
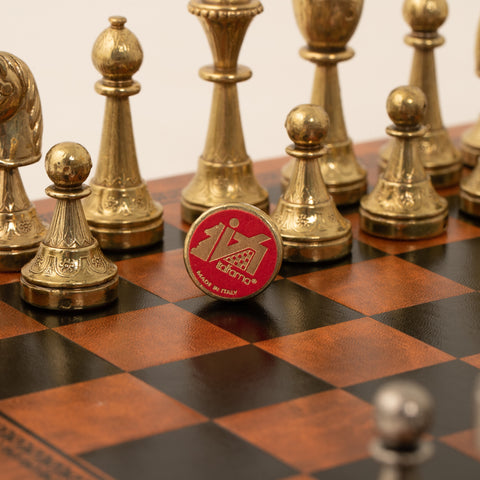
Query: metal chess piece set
x: 69, y: 271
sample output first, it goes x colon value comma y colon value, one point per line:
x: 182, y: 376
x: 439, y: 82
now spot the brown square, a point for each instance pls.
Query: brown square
x: 310, y: 433
x: 13, y: 322
x: 9, y: 277
x: 380, y: 285
x: 375, y: 349
x: 144, y: 338
x: 473, y: 360
x: 463, y: 442
x: 456, y: 231
x: 163, y: 274
x: 99, y: 413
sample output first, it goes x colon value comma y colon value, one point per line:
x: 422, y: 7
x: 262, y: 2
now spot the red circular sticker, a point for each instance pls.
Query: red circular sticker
x: 233, y: 251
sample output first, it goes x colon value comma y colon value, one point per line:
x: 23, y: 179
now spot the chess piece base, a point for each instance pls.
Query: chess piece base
x: 470, y: 155
x: 402, y: 228
x: 13, y: 260
x: 302, y: 252
x: 469, y: 204
x: 126, y: 237
x: 191, y: 211
x: 69, y: 298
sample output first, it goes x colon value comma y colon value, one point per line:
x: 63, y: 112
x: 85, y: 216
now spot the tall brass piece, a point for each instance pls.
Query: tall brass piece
x: 470, y: 145
x: 69, y: 271
x: 327, y: 26
x: 311, y: 227
x: 21, y: 130
x: 225, y: 172
x: 437, y: 152
x: 404, y: 205
x: 120, y: 211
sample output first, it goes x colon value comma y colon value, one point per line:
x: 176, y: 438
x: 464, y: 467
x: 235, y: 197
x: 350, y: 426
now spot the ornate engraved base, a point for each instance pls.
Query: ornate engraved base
x: 217, y: 184
x: 402, y: 228
x: 69, y: 298
x: 123, y: 218
x: 440, y: 159
x: 470, y: 155
x: 345, y: 179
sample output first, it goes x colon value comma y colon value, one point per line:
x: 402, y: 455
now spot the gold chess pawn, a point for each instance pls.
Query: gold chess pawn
x: 225, y: 171
x: 311, y: 227
x: 404, y: 205
x: 470, y: 144
x: 21, y: 130
x: 69, y: 271
x: 120, y: 211
x: 327, y: 26
x: 438, y: 155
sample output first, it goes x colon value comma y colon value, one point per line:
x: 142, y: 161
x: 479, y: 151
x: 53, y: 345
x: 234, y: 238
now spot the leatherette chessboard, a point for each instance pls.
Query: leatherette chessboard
x: 170, y: 384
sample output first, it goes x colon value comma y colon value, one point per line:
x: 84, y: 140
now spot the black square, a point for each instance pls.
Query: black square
x: 41, y: 360
x: 457, y: 261
x: 173, y: 239
x: 446, y: 464
x: 232, y: 381
x: 130, y: 297
x: 282, y: 309
x: 451, y: 385
x: 360, y: 252
x: 201, y: 452
x: 450, y: 324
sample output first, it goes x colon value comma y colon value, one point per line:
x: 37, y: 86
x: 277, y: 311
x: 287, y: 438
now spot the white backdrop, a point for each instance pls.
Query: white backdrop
x: 170, y: 115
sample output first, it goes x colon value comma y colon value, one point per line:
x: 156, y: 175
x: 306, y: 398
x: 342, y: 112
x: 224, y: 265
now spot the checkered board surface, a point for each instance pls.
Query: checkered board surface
x: 168, y: 383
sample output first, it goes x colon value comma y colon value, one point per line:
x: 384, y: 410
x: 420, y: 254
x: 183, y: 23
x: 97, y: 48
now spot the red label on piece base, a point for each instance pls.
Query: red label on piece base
x: 233, y: 253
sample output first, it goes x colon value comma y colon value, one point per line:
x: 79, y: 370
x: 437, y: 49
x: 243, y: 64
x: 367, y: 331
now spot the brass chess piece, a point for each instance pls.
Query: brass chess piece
x: 470, y: 144
x: 21, y: 128
x: 225, y: 172
x: 120, y: 211
x: 327, y: 26
x: 69, y: 271
x: 310, y: 225
x: 403, y: 413
x: 404, y: 205
x: 438, y: 155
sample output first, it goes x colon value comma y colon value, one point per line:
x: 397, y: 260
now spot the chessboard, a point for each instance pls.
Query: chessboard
x: 169, y: 383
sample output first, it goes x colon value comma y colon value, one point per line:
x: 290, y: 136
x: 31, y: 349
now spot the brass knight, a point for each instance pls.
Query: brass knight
x: 470, y: 145
x: 438, y: 155
x: 404, y: 205
x: 21, y: 130
x: 225, y: 171
x: 120, y: 211
x: 327, y: 26
x: 310, y: 225
x: 69, y: 271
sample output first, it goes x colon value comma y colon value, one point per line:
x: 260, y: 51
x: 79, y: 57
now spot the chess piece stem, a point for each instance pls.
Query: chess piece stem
x: 120, y: 211
x: 69, y: 271
x: 311, y: 227
x: 404, y: 205
x: 438, y: 155
x: 225, y: 172
x: 470, y: 144
x: 20, y: 144
x: 327, y: 26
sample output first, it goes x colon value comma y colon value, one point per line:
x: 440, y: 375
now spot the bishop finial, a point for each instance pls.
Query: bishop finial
x: 425, y: 16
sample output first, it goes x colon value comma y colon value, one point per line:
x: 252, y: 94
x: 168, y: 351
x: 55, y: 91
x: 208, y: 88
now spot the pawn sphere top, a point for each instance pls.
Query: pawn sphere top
x: 68, y: 165
x: 117, y: 53
x: 425, y: 16
x: 403, y: 412
x: 406, y: 106
x: 307, y: 125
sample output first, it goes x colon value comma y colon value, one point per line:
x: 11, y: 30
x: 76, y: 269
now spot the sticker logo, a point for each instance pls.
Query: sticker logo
x: 232, y: 253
